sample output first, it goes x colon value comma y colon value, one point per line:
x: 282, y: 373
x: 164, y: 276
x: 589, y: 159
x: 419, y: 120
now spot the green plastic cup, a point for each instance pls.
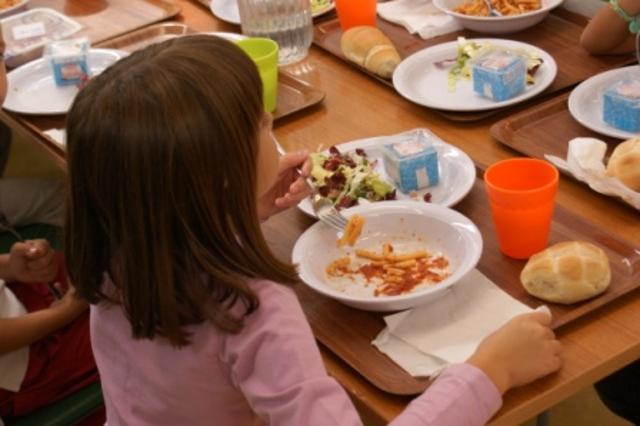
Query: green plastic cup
x: 264, y: 53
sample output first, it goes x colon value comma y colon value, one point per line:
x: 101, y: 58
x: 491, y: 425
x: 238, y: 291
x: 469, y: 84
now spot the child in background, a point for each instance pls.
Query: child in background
x: 45, y: 351
x: 25, y: 201
x: 172, y: 168
x: 612, y: 30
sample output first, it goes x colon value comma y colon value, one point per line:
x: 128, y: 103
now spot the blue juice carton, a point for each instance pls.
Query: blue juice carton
x: 621, y: 105
x: 412, y: 161
x: 499, y: 75
x: 68, y: 60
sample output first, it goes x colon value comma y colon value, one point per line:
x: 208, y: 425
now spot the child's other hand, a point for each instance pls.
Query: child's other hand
x: 521, y: 351
x: 289, y: 188
x: 32, y: 261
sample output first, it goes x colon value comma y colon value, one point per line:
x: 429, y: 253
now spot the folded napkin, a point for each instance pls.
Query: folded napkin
x: 426, y: 339
x: 418, y: 16
x: 585, y: 161
x: 58, y: 136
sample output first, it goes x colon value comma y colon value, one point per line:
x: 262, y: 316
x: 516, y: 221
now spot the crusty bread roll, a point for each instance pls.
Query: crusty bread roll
x: 624, y: 163
x: 370, y: 48
x: 567, y: 272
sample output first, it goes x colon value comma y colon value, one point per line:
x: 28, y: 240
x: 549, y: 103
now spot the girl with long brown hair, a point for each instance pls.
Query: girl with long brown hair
x: 171, y: 168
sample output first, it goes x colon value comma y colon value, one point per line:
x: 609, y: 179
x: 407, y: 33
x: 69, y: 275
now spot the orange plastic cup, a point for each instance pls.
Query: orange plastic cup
x: 522, y: 194
x: 352, y: 13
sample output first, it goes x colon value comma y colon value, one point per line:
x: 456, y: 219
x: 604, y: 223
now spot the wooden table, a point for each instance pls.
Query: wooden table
x: 357, y: 107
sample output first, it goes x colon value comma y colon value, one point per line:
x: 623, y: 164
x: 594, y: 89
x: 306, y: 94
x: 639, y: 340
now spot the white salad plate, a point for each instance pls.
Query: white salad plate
x: 32, y: 89
x: 497, y: 24
x: 457, y: 172
x: 227, y: 10
x: 419, y: 80
x: 586, y: 103
x: 408, y: 226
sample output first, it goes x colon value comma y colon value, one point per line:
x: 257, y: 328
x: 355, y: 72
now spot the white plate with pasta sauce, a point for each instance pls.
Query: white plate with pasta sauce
x: 457, y: 171
x: 406, y: 225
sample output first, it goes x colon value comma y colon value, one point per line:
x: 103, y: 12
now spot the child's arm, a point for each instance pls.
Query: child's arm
x: 608, y: 33
x: 22, y: 331
x: 275, y: 362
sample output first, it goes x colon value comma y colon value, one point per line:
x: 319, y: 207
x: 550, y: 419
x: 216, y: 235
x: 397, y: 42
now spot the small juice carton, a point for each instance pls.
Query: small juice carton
x: 621, y: 105
x: 499, y: 75
x: 69, y: 61
x: 412, y: 162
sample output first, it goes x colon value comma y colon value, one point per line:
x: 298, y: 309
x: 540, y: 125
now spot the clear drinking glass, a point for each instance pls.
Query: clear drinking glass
x: 287, y: 22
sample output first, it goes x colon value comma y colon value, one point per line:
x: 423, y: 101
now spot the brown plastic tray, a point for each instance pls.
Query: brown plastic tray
x: 543, y: 129
x: 348, y: 332
x: 558, y: 35
x: 293, y: 94
x: 546, y: 129
x: 102, y: 19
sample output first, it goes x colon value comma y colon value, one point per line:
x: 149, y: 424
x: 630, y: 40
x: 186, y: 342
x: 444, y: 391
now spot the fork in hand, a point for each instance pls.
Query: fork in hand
x: 322, y: 206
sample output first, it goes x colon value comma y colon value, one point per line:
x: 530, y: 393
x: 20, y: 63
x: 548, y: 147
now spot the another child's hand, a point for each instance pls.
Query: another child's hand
x: 70, y: 305
x: 520, y: 352
x: 289, y: 188
x: 32, y: 261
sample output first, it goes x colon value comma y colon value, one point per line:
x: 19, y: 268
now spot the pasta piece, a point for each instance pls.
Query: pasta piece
x: 351, y: 231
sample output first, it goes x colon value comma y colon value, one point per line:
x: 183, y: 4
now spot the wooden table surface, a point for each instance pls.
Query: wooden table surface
x: 357, y: 107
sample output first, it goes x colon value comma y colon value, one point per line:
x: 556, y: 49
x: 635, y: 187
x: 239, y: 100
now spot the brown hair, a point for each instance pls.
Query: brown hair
x: 162, y: 150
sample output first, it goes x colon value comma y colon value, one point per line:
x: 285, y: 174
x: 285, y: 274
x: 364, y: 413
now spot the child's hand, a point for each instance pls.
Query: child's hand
x: 521, y: 351
x: 32, y: 261
x: 69, y: 305
x: 289, y: 188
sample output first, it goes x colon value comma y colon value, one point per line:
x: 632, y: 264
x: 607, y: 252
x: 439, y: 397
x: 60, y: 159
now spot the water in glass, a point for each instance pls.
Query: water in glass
x: 287, y: 22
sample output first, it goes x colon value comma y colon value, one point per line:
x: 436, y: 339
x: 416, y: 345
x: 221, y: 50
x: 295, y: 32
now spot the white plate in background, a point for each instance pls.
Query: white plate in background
x: 227, y: 10
x: 419, y: 80
x: 32, y: 89
x: 586, y: 103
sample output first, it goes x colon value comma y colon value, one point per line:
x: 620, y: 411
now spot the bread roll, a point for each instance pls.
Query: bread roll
x: 370, y: 48
x: 625, y: 163
x: 567, y: 272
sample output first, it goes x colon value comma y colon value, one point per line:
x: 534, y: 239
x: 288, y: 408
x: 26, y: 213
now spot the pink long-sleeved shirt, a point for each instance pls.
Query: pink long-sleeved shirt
x: 272, y: 372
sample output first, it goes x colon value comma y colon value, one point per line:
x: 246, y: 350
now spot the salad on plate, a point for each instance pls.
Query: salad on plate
x: 346, y: 179
x: 320, y: 5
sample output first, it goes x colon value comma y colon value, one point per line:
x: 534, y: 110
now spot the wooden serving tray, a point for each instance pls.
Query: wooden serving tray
x: 293, y: 94
x: 348, y: 332
x: 557, y: 34
x: 104, y: 19
x: 543, y: 129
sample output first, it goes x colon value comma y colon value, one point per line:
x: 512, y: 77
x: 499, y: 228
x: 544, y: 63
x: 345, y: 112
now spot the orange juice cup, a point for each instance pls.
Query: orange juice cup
x: 352, y: 13
x: 522, y: 195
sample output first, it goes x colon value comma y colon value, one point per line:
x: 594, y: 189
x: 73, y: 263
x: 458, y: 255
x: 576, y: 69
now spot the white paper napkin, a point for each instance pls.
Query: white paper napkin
x: 418, y: 17
x: 59, y: 136
x: 585, y: 161
x: 426, y: 339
